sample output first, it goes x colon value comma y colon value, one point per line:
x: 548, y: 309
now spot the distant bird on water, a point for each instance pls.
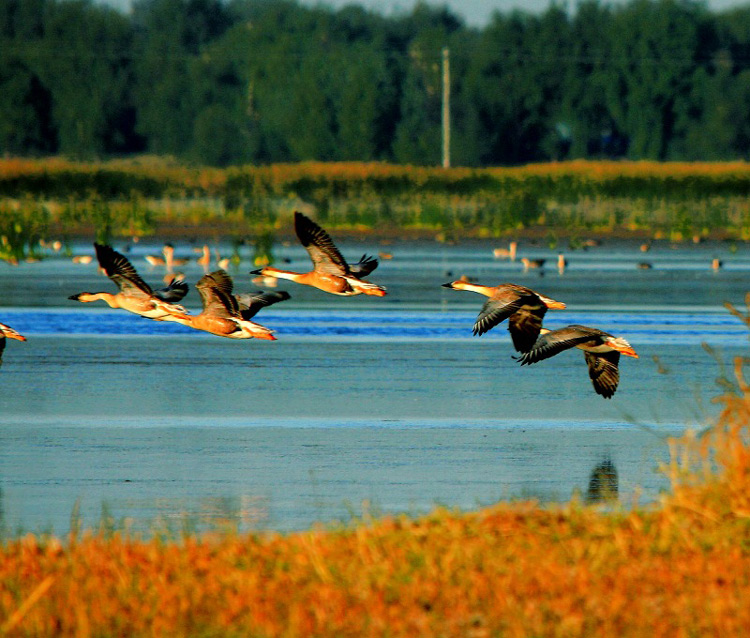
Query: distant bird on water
x: 9, y: 333
x: 532, y: 263
x: 331, y: 272
x: 522, y: 307
x: 205, y: 259
x: 134, y: 295
x: 506, y: 253
x: 168, y: 260
x: 601, y: 350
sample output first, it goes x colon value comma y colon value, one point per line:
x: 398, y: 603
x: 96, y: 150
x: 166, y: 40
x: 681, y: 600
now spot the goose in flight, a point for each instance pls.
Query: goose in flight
x: 601, y: 350
x: 331, y: 272
x: 227, y: 315
x: 7, y: 331
x: 522, y: 307
x: 135, y: 295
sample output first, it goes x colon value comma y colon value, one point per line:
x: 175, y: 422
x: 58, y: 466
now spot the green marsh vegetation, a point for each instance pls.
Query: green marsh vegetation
x: 678, y: 201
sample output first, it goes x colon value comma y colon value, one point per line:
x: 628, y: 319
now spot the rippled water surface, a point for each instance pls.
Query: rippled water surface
x: 384, y: 404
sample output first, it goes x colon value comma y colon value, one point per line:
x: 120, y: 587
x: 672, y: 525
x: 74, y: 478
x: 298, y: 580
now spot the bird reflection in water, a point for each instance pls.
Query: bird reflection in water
x: 603, y: 483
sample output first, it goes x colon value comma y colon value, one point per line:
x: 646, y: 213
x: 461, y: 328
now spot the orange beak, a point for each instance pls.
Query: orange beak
x: 551, y: 303
x: 264, y: 335
x: 7, y: 331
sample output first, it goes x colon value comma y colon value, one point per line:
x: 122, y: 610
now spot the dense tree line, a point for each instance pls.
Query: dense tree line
x: 259, y: 81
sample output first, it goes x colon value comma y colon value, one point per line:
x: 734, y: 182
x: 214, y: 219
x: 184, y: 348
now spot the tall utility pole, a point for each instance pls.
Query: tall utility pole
x: 446, y: 109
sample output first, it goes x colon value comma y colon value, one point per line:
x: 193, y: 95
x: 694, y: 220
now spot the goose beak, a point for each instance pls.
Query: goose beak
x: 256, y: 272
x: 555, y: 304
x: 448, y: 285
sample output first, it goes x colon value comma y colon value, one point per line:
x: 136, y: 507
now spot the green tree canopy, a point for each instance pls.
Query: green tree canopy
x: 231, y: 82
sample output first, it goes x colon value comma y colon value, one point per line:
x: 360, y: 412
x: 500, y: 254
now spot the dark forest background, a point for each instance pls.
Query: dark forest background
x: 261, y: 81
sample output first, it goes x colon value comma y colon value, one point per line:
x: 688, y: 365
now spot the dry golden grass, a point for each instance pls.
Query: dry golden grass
x: 678, y: 568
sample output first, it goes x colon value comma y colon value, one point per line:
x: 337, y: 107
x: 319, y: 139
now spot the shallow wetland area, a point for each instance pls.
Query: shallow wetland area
x: 363, y: 405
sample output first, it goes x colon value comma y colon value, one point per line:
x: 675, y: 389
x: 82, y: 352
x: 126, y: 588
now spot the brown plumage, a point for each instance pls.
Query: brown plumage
x: 223, y: 313
x: 522, y: 307
x: 134, y: 295
x: 331, y: 272
x: 600, y: 349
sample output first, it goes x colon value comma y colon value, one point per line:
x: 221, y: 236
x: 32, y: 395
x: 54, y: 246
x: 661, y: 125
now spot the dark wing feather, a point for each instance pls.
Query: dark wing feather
x: 603, y: 370
x: 120, y: 270
x: 216, y: 293
x: 175, y: 291
x: 364, y: 266
x: 251, y: 303
x: 507, y: 300
x: 493, y: 312
x: 555, y: 341
x: 524, y: 325
x: 325, y: 256
x: 2, y: 347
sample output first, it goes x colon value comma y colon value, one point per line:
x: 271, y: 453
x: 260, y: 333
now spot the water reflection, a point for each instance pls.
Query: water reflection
x: 603, y: 483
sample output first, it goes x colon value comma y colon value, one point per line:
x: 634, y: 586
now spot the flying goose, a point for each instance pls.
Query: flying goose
x: 134, y: 295
x: 523, y: 308
x: 601, y: 350
x: 224, y: 314
x: 331, y: 273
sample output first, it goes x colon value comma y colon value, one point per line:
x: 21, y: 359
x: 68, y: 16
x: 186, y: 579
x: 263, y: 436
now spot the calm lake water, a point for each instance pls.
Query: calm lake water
x: 363, y: 405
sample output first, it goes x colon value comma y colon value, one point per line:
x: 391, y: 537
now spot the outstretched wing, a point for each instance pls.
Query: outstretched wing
x: 554, y: 342
x: 603, y: 370
x: 173, y: 292
x: 364, y: 266
x: 524, y: 325
x: 216, y: 293
x: 492, y: 313
x: 251, y: 303
x: 507, y: 300
x: 325, y: 256
x: 117, y: 267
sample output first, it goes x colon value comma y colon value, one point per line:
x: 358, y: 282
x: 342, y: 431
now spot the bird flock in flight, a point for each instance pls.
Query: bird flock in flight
x: 227, y: 314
